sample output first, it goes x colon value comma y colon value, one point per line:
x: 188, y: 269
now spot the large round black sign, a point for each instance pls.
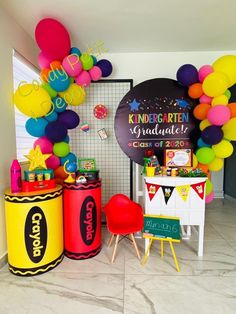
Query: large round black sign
x: 155, y: 114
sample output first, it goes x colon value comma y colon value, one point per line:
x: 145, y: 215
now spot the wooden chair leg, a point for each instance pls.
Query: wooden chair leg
x: 147, y: 252
x: 135, y: 245
x: 115, y: 248
x: 109, y: 243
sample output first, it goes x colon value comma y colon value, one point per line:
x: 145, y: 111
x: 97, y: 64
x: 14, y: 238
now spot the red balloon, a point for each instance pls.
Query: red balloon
x: 44, y: 61
x: 53, y: 39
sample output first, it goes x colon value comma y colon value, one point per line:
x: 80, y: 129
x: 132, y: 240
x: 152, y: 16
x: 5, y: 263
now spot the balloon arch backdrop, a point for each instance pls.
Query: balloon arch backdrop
x: 210, y: 85
x: 66, y: 72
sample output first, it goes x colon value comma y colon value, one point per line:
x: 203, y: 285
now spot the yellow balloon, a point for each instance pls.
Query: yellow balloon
x: 227, y: 65
x: 74, y: 95
x: 216, y: 165
x: 32, y: 100
x: 195, y: 161
x: 229, y: 129
x: 223, y: 149
x: 215, y: 84
x: 203, y: 124
x: 220, y: 100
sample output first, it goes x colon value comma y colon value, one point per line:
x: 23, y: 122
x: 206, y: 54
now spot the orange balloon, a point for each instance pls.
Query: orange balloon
x: 232, y: 108
x: 208, y: 175
x: 200, y: 111
x: 54, y: 65
x: 59, y: 173
x: 59, y: 181
x: 204, y: 168
x: 195, y: 91
x: 44, y: 74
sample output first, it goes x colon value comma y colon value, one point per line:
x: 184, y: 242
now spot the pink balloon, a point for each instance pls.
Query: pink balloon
x: 44, y: 61
x: 72, y: 65
x: 83, y: 79
x: 95, y: 73
x: 218, y: 115
x: 53, y: 162
x: 209, y: 197
x: 52, y: 38
x: 204, y: 71
x: 204, y: 99
x: 45, y: 145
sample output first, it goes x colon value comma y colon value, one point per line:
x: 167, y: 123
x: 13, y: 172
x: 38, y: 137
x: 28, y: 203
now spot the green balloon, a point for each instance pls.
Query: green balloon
x: 227, y: 93
x: 205, y: 155
x: 87, y: 61
x: 209, y: 187
x: 52, y: 93
x: 61, y: 149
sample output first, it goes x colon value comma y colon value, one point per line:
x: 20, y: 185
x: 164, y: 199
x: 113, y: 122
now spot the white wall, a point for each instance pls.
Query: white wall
x: 138, y: 66
x: 144, y: 66
x: 11, y: 36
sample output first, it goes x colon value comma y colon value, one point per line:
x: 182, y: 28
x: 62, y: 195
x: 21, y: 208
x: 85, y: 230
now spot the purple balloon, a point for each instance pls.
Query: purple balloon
x: 56, y: 131
x: 187, y: 75
x: 105, y: 66
x: 212, y: 135
x: 69, y: 118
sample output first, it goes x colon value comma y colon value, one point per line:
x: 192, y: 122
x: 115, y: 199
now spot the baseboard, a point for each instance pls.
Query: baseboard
x: 3, y: 260
x: 230, y: 198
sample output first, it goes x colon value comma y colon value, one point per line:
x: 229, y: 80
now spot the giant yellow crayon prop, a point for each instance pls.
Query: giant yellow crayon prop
x: 34, y: 225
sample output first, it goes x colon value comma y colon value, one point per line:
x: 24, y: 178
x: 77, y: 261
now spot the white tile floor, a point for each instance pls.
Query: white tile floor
x: 205, y: 285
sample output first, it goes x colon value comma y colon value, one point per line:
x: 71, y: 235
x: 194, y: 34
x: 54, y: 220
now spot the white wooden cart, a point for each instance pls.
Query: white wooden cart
x: 191, y: 212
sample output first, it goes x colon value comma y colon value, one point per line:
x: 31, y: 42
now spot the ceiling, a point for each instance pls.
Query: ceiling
x: 134, y: 25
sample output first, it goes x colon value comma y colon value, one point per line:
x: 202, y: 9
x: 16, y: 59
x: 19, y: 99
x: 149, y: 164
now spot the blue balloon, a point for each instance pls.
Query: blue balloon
x: 36, y: 127
x: 70, y: 157
x: 75, y: 51
x: 52, y: 116
x: 201, y: 143
x: 59, y: 104
x: 94, y: 60
x: 66, y: 139
x: 59, y: 80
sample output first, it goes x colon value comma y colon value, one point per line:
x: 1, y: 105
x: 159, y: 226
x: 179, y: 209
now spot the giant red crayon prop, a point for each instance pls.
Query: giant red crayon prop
x: 82, y: 220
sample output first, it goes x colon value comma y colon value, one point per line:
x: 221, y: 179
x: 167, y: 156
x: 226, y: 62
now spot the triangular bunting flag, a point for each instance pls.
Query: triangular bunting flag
x: 167, y: 191
x: 183, y: 191
x: 199, y: 188
x: 152, y: 189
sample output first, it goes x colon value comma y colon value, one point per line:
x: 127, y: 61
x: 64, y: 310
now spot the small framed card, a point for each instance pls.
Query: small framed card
x: 178, y: 157
x: 102, y: 134
x: 87, y: 164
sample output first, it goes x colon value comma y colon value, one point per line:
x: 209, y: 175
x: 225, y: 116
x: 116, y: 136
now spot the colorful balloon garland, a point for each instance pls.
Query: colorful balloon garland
x: 65, y: 73
x: 210, y: 85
